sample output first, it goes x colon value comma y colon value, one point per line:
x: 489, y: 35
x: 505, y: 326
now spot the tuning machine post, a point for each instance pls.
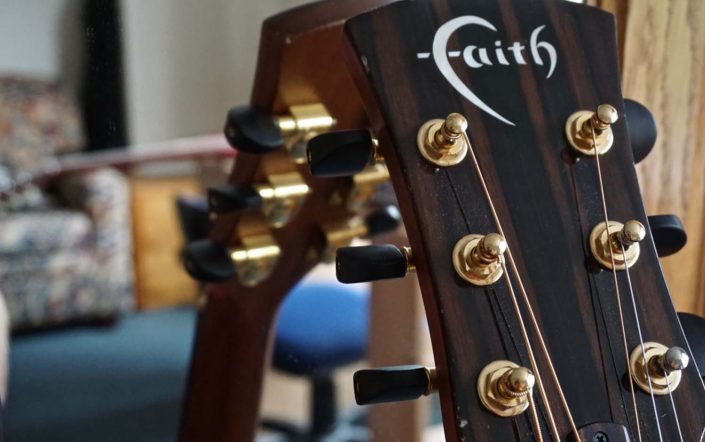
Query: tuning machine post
x: 443, y: 142
x: 658, y: 368
x: 617, y: 243
x: 253, y: 130
x: 504, y: 388
x: 252, y: 261
x: 478, y: 258
x: 583, y: 128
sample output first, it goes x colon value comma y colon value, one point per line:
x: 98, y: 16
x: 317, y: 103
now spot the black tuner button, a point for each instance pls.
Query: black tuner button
x: 371, y: 263
x: 233, y: 197
x: 668, y: 233
x: 341, y: 153
x: 694, y: 329
x: 252, y: 130
x: 207, y: 261
x: 393, y: 384
x: 642, y: 129
x: 382, y: 220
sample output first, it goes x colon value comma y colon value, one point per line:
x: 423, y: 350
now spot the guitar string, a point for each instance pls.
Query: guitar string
x: 535, y: 417
x: 534, y: 422
x: 641, y: 343
x: 525, y: 297
x: 673, y: 405
x: 618, y: 294
x: 530, y: 351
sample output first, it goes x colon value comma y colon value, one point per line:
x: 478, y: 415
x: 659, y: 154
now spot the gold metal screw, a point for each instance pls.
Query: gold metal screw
x: 478, y: 258
x: 488, y: 250
x: 585, y: 128
x: 632, y: 232
x: 449, y: 133
x: 674, y: 359
x: 516, y: 382
x: 442, y: 142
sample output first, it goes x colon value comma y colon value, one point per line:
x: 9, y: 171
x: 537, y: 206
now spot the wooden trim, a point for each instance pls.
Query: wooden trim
x: 664, y: 68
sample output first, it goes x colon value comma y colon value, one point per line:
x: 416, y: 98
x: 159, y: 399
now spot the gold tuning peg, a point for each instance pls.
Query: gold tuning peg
x: 661, y: 365
x: 252, y: 261
x: 279, y: 199
x: 583, y: 128
x: 478, y: 258
x: 301, y: 124
x: 253, y: 130
x: 504, y: 388
x: 620, y: 245
x: 443, y: 142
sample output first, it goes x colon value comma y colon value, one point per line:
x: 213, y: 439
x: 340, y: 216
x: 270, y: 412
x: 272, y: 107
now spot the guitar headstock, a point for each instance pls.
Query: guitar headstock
x: 475, y: 104
x: 273, y: 221
x: 273, y: 212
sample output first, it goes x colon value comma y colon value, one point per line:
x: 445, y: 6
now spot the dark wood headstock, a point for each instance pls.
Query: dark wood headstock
x: 547, y: 198
x: 299, y: 49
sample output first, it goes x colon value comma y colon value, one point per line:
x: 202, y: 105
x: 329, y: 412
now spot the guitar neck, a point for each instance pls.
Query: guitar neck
x: 191, y: 148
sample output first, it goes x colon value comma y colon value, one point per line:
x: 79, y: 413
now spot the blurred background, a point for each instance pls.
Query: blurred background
x: 100, y: 310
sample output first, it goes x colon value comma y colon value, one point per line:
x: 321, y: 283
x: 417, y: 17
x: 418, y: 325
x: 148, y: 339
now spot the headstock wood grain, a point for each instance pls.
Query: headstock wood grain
x: 298, y: 50
x: 517, y: 69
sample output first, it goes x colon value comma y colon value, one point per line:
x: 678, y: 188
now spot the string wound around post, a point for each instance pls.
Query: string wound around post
x: 588, y: 131
x: 615, y: 245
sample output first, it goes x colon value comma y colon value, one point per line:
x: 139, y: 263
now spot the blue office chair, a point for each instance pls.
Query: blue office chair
x: 321, y: 328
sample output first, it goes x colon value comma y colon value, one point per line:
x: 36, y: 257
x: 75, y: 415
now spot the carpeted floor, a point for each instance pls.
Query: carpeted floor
x: 122, y: 383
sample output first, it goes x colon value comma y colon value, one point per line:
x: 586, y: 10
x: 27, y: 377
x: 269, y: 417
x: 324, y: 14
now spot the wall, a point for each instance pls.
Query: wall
x: 188, y: 62
x: 40, y: 39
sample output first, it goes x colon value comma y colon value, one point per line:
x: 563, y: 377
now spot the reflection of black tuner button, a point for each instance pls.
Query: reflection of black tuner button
x: 340, y: 153
x: 207, y: 261
x: 233, y: 197
x: 369, y: 263
x: 642, y: 129
x: 668, y: 233
x: 390, y: 384
x: 382, y: 220
x: 252, y: 130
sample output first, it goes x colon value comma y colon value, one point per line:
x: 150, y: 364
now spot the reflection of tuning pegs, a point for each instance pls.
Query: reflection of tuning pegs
x: 341, y: 233
x: 253, y: 261
x: 694, y: 329
x: 642, y: 129
x: 372, y: 263
x: 668, y: 233
x: 280, y: 198
x: 253, y: 130
x: 256, y: 131
x: 207, y: 261
x: 233, y: 197
x: 393, y: 384
x: 341, y: 153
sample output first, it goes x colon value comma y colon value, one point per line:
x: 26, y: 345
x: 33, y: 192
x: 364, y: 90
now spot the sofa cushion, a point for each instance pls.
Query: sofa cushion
x: 36, y: 232
x: 56, y: 288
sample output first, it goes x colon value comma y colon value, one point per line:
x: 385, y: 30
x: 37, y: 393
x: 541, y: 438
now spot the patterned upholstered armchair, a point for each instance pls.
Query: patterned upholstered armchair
x: 65, y: 254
